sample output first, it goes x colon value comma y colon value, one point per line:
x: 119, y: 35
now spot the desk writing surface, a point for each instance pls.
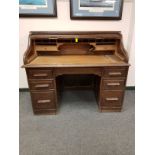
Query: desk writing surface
x: 75, y: 61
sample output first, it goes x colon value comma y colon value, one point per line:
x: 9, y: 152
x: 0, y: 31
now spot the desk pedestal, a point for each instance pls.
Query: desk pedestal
x: 109, y: 86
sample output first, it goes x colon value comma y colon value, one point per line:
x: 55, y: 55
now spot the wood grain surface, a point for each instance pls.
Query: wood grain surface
x: 75, y: 61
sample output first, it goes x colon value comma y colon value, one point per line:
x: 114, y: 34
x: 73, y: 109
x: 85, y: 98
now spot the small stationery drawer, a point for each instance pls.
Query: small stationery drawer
x: 39, y: 74
x: 43, y: 100
x: 112, y: 98
x: 42, y: 85
x: 115, y: 72
x: 113, y: 84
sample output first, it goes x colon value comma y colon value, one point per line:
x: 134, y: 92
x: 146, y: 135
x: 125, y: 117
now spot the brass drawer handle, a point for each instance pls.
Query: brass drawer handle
x: 112, y: 99
x: 43, y: 101
x: 40, y: 74
x: 113, y: 84
x: 115, y: 73
x: 42, y: 86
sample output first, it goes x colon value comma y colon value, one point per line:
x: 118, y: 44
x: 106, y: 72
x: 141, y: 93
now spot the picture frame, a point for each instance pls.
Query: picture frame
x: 96, y: 9
x: 37, y: 8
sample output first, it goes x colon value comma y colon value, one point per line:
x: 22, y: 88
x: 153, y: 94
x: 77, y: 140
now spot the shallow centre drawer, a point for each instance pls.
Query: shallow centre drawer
x: 113, y: 84
x: 112, y: 98
x: 44, y: 100
x: 39, y: 74
x: 42, y: 85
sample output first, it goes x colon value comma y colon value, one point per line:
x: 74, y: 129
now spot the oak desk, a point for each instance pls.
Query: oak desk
x: 98, y: 58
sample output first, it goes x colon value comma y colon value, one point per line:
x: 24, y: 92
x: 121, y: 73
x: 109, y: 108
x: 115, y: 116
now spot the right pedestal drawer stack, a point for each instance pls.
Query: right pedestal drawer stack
x: 112, y: 88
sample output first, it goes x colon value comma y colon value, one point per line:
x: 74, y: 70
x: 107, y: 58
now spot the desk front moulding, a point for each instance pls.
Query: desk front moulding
x: 57, y: 60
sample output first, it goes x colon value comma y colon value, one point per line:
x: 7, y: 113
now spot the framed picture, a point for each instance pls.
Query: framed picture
x: 37, y: 8
x: 96, y: 9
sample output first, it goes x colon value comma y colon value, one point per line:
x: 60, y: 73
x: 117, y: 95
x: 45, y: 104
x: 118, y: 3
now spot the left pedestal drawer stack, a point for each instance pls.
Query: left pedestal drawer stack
x: 43, y: 90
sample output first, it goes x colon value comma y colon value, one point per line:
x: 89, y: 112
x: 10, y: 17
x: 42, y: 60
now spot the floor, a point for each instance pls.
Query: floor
x: 78, y: 128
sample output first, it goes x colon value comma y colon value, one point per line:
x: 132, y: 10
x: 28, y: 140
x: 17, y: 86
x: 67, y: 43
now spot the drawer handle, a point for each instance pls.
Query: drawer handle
x: 40, y: 74
x: 112, y: 99
x: 113, y: 84
x: 43, y: 101
x: 115, y: 73
x: 42, y: 86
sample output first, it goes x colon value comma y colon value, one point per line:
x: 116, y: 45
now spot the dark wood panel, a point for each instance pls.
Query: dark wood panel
x: 77, y: 70
x: 44, y: 100
x: 41, y: 84
x: 39, y: 73
x: 113, y: 84
x: 115, y: 72
x: 111, y: 109
x: 111, y: 98
x: 44, y: 111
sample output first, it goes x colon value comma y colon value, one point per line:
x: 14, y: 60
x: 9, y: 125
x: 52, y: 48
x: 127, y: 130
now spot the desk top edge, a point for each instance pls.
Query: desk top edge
x: 73, y: 32
x: 96, y: 34
x: 74, y: 66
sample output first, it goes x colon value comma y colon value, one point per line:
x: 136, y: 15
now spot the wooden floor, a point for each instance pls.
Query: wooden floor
x: 78, y: 60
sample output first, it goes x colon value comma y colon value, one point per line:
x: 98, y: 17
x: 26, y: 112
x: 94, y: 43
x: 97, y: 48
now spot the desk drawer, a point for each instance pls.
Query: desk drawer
x: 78, y: 70
x: 112, y: 98
x: 43, y: 100
x: 115, y: 72
x: 42, y: 85
x: 39, y: 74
x: 113, y: 84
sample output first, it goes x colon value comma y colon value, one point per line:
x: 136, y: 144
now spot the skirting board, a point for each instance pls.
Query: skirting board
x: 27, y: 89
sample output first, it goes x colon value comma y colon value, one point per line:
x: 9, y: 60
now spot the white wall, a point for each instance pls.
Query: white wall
x: 64, y: 23
x: 131, y: 74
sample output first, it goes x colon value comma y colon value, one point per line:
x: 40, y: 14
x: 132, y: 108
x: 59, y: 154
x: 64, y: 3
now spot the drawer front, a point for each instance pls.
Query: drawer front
x: 113, y: 84
x: 42, y: 85
x: 112, y: 98
x: 115, y: 72
x: 39, y: 74
x: 44, y: 100
x: 77, y: 70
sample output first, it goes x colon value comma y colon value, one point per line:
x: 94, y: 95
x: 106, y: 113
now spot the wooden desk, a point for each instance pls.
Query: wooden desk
x: 51, y: 55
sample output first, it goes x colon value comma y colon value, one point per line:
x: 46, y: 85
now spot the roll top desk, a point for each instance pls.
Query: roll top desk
x: 52, y: 57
